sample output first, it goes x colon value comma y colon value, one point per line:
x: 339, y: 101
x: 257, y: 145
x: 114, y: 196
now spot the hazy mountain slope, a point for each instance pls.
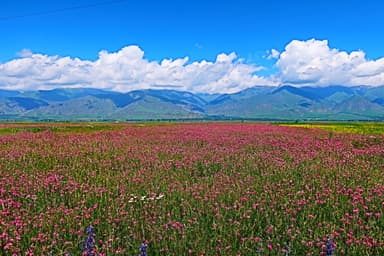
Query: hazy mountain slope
x: 360, y: 106
x: 11, y: 105
x: 8, y: 93
x: 149, y: 107
x: 376, y: 95
x: 259, y: 102
x: 282, y: 104
x: 85, y: 107
x: 242, y: 95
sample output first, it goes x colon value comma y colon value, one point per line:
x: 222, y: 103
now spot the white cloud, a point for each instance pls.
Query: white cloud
x: 127, y: 70
x: 273, y: 54
x: 313, y: 62
x: 25, y: 53
x: 39, y: 71
x: 226, y: 58
x: 310, y: 62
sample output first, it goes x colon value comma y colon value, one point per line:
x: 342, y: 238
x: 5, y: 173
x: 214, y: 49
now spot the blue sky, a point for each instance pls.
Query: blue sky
x: 200, y: 30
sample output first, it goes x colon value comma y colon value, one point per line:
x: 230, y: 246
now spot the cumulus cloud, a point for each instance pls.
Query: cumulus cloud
x: 24, y: 53
x: 310, y: 62
x: 37, y: 71
x: 128, y: 69
x: 313, y: 62
x: 273, y: 54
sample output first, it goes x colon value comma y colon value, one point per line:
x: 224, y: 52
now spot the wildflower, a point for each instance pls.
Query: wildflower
x: 143, y: 249
x: 330, y: 247
x: 159, y: 197
x: 287, y: 249
x: 260, y: 250
x: 89, y: 242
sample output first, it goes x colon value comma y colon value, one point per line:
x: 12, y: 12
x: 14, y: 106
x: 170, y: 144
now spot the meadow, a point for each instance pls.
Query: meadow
x: 190, y: 189
x: 346, y: 127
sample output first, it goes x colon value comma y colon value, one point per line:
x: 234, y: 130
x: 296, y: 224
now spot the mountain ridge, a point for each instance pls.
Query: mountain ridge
x: 286, y: 102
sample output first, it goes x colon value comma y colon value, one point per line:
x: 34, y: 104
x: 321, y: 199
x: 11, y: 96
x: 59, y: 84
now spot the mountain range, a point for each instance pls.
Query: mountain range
x: 257, y: 103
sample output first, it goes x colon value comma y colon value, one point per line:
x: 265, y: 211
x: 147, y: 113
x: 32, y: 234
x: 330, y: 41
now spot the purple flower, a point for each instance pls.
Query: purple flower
x: 89, y: 242
x: 90, y: 230
x: 143, y: 249
x: 330, y: 247
x: 287, y: 249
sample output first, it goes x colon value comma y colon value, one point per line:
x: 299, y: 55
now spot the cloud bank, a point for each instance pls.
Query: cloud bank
x: 128, y: 70
x: 313, y: 62
x: 310, y: 62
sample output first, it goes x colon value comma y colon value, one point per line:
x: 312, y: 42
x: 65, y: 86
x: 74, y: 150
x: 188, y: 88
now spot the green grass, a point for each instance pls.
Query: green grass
x: 58, y: 127
x: 347, y: 127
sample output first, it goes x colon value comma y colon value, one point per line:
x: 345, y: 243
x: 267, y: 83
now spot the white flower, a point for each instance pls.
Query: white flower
x: 160, y: 196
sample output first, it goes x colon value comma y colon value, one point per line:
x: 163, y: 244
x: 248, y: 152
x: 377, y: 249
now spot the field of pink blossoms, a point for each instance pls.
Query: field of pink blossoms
x: 190, y: 189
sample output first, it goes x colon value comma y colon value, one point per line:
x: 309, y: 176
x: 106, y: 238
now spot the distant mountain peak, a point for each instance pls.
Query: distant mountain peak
x: 285, y: 102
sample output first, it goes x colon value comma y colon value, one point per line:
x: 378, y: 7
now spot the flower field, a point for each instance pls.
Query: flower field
x: 190, y: 189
